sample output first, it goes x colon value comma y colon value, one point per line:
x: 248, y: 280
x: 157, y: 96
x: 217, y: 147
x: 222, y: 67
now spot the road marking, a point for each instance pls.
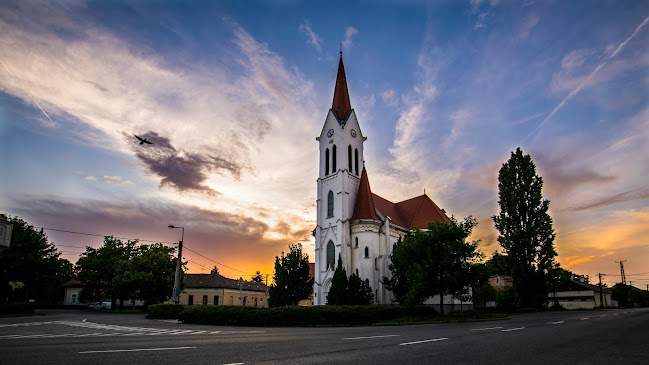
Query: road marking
x: 513, y: 329
x: 433, y: 340
x: 616, y: 314
x: 135, y: 350
x: 557, y: 322
x: 366, y: 337
x: 235, y: 363
x: 585, y: 318
x: 603, y: 315
x: 486, y: 329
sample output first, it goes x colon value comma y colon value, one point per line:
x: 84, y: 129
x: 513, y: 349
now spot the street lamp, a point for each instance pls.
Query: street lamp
x: 176, y: 294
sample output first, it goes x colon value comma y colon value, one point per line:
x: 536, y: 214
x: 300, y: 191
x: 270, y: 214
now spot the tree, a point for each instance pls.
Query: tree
x: 258, y: 278
x: 34, y: 262
x: 215, y: 270
x: 350, y: 290
x: 98, y: 267
x: 525, y: 227
x: 291, y: 278
x: 148, y: 275
x: 438, y: 261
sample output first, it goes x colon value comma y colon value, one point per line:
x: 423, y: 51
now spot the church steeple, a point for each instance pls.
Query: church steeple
x: 341, y: 104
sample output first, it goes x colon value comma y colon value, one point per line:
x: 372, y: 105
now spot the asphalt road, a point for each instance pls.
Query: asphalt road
x: 74, y: 337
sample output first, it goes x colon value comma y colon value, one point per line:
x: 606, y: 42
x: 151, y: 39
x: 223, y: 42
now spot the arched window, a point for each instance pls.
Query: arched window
x: 356, y: 272
x: 326, y: 162
x: 349, y: 158
x: 367, y: 251
x: 356, y: 245
x: 367, y: 282
x: 331, y: 254
x: 333, y: 165
x: 356, y: 160
x: 330, y: 204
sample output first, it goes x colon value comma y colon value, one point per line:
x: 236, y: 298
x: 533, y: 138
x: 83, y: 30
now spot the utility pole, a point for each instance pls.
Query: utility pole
x: 266, y: 303
x: 176, y: 293
x: 622, y: 271
x: 240, y: 293
x: 601, y: 296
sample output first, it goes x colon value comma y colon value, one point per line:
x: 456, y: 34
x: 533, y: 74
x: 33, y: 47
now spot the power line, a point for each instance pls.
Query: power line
x: 216, y: 262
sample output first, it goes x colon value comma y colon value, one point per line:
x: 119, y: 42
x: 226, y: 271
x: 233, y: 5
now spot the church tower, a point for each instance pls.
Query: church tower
x: 341, y: 165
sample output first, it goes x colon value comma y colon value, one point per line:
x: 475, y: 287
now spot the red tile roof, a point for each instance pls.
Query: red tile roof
x: 311, y: 270
x: 341, y: 104
x: 411, y: 213
x: 364, y: 207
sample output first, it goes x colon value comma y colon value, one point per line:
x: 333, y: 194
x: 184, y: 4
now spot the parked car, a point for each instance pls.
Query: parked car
x: 100, y: 305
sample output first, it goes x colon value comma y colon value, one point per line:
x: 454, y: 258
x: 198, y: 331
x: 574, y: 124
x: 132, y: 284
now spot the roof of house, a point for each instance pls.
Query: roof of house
x: 341, y: 104
x: 72, y: 283
x: 311, y: 270
x: 410, y: 213
x: 574, y: 285
x: 217, y: 281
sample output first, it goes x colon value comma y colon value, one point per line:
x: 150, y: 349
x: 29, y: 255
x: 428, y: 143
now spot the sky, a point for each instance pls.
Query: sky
x: 233, y: 94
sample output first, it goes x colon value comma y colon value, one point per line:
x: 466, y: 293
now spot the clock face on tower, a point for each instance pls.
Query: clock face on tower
x: 330, y: 133
x: 353, y: 132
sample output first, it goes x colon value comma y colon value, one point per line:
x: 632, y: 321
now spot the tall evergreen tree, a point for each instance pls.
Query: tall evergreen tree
x: 525, y: 227
x: 338, y: 291
x: 291, y: 278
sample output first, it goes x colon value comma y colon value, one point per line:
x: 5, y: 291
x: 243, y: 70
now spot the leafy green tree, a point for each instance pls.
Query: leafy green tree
x: 258, y: 278
x: 99, y: 266
x: 525, y: 227
x: 435, y: 262
x: 639, y: 297
x: 499, y: 264
x: 148, y: 275
x: 33, y: 261
x: 359, y: 291
x: 215, y: 270
x: 291, y: 278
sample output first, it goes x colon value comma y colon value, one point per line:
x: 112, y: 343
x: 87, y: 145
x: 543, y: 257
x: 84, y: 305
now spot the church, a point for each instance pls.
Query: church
x: 353, y: 223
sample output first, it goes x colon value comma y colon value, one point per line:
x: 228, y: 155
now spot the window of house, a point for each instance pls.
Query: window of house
x: 367, y: 251
x: 356, y: 243
x: 255, y: 302
x: 190, y: 300
x: 356, y: 272
x: 330, y: 204
x: 367, y: 282
x: 333, y: 155
x: 356, y: 160
x: 216, y: 300
x: 349, y: 158
x: 326, y: 162
x: 74, y: 299
x: 204, y: 299
x: 331, y: 254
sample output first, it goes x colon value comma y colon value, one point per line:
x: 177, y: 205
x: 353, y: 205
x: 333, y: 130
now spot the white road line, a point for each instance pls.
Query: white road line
x: 616, y: 314
x: 135, y: 350
x: 366, y: 337
x: 556, y: 322
x: 485, y: 329
x: 603, y: 315
x: 236, y: 363
x: 585, y: 318
x: 433, y: 340
x: 513, y: 329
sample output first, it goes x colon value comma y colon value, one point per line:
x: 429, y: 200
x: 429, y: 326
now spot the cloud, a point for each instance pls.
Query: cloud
x: 527, y: 27
x: 480, y: 22
x: 312, y: 38
x: 631, y: 195
x: 180, y: 169
x: 117, y: 180
x: 390, y: 97
x: 349, y: 33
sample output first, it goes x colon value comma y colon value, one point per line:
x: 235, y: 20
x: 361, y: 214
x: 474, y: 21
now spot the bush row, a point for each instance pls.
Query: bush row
x: 164, y: 311
x: 16, y: 308
x: 300, y: 316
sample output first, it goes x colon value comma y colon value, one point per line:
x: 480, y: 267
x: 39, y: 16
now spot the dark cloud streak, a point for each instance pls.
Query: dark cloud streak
x: 637, y: 194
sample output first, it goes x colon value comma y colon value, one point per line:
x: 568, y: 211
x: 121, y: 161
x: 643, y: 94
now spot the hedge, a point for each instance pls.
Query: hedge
x: 164, y: 311
x: 300, y: 316
x: 16, y: 308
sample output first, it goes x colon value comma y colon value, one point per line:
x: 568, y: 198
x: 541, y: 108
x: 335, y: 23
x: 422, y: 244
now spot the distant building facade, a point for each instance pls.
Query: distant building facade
x: 353, y: 223
x: 214, y: 289
x: 578, y: 295
x: 5, y: 233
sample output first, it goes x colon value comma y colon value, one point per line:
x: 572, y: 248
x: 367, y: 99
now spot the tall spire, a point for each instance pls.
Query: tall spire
x: 341, y: 104
x: 364, y: 207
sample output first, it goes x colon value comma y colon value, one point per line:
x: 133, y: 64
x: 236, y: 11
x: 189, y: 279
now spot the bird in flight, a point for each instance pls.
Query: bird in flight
x: 142, y: 140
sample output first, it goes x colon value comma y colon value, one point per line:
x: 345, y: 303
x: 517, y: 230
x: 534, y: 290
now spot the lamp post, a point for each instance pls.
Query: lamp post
x: 176, y: 294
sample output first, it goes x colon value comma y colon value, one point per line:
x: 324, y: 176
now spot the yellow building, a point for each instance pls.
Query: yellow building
x: 214, y: 289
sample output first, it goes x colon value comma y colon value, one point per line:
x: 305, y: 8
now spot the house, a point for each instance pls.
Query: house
x: 5, y: 232
x: 215, y: 289
x: 309, y: 301
x: 577, y: 295
x: 500, y: 282
x: 354, y: 223
x: 72, y: 289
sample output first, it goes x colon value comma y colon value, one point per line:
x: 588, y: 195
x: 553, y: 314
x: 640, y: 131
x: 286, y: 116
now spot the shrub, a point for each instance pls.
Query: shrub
x: 164, y: 311
x: 16, y: 308
x: 300, y: 316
